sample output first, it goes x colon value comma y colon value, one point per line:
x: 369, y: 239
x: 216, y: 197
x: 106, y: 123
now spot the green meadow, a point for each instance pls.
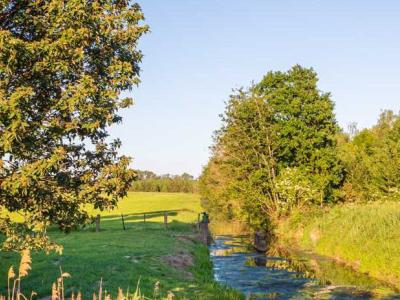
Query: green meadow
x: 124, y: 258
x: 364, y: 236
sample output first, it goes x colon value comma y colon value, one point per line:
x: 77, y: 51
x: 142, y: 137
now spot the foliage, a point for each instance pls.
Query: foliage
x: 63, y: 65
x: 296, y: 189
x: 372, y: 159
x: 217, y: 198
x: 282, y: 126
x: 148, y: 181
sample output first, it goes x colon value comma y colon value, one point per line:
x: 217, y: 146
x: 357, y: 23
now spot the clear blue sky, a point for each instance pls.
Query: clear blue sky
x: 198, y: 51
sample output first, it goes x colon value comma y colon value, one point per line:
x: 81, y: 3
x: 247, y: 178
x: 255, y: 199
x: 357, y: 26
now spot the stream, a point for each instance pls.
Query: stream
x: 281, y: 274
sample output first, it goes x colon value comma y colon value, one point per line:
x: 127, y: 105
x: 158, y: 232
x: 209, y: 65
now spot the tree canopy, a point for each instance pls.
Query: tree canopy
x: 63, y: 65
x: 275, y: 150
x: 280, y: 148
x: 372, y: 160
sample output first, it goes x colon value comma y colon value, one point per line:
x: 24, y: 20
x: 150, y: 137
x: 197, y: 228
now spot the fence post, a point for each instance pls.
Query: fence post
x: 205, y: 233
x: 166, y: 219
x: 97, y: 223
x: 198, y: 222
x: 123, y: 221
x: 144, y: 218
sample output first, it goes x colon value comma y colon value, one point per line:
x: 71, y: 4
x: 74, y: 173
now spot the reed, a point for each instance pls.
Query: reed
x: 58, y: 288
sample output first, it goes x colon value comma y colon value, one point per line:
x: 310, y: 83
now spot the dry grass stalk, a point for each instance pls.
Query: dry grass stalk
x: 101, y: 289
x: 58, y: 288
x: 120, y: 295
x: 13, y: 282
x: 25, y: 264
x: 170, y: 295
x: 11, y: 276
x: 32, y: 295
x: 54, y: 294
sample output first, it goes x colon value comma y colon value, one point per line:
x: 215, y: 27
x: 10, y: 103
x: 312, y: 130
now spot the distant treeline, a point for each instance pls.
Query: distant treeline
x: 148, y: 181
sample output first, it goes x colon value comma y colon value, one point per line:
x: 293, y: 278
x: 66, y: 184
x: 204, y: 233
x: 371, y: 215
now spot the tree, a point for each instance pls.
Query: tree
x: 274, y: 132
x: 372, y: 158
x: 304, y: 126
x: 217, y: 196
x: 63, y: 65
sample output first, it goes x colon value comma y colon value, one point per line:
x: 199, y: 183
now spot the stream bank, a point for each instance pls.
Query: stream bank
x: 283, y: 274
x: 364, y: 236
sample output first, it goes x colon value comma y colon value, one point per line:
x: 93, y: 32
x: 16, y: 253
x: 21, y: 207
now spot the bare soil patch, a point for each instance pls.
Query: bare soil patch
x: 181, y: 261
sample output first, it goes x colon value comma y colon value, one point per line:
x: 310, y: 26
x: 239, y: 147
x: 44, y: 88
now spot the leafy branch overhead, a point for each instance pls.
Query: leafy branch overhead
x: 63, y: 65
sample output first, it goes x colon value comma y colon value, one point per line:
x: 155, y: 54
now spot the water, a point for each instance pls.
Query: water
x: 290, y: 276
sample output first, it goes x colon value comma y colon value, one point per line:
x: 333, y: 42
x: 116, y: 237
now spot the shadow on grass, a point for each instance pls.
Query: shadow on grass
x: 118, y: 256
x: 154, y: 220
x: 136, y: 220
x: 140, y: 217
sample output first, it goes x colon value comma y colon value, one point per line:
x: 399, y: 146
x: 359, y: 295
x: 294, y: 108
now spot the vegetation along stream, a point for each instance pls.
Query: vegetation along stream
x: 283, y: 274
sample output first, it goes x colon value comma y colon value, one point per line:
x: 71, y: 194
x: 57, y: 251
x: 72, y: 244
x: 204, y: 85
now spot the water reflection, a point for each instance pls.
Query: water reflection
x: 283, y: 274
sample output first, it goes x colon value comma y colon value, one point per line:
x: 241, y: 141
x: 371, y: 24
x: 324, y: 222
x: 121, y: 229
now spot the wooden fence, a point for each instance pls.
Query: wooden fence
x: 147, y: 215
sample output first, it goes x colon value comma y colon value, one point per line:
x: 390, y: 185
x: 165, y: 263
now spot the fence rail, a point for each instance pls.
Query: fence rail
x: 147, y: 215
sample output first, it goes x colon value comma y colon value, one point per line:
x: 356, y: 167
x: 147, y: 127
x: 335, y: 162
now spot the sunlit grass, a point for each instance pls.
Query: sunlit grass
x: 138, y: 202
x: 366, y: 236
x: 228, y: 228
x: 120, y: 257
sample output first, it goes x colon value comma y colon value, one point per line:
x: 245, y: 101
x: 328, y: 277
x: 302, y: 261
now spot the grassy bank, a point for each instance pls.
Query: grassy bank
x: 120, y: 257
x: 364, y: 236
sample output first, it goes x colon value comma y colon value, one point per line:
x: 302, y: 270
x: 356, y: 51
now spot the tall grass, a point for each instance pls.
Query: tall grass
x: 233, y: 228
x: 58, y: 288
x: 365, y: 236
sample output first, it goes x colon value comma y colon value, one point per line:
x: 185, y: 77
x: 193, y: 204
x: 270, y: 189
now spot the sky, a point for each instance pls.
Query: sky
x: 199, y: 50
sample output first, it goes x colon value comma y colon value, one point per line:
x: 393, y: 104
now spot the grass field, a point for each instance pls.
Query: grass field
x: 122, y: 257
x: 366, y: 236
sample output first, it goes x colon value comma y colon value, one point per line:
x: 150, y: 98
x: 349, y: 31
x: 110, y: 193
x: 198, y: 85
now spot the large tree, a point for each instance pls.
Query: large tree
x: 275, y: 150
x: 63, y: 65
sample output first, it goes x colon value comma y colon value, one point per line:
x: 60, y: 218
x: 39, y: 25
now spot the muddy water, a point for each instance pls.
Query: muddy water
x: 290, y: 275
